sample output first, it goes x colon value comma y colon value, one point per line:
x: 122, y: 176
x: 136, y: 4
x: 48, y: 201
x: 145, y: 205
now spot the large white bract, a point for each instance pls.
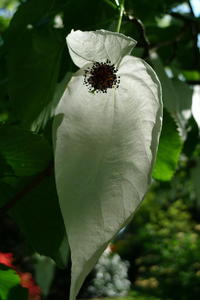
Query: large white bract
x: 105, y: 143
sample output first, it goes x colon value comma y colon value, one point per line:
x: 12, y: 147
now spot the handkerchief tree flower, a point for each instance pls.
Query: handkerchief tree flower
x: 106, y: 131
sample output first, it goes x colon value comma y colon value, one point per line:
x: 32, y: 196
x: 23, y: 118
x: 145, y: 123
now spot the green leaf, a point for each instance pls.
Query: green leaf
x: 39, y: 218
x: 8, y: 279
x: 177, y: 95
x: 6, y: 192
x: 5, y: 168
x: 34, y: 12
x: 26, y: 153
x: 100, y: 15
x: 49, y: 111
x: 18, y: 293
x: 44, y: 272
x: 187, y: 55
x: 195, y: 105
x: 169, y: 150
x: 148, y: 10
x: 170, y: 99
x: 9, y: 286
x: 193, y: 138
x: 158, y: 35
x: 184, y: 92
x: 33, y: 71
x: 191, y: 75
x: 37, y: 211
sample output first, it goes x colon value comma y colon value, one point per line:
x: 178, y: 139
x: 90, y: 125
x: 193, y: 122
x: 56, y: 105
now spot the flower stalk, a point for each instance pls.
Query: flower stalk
x: 121, y: 12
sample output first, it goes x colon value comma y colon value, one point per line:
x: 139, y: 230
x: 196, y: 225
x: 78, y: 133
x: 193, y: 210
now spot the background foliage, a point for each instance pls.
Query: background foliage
x: 162, y: 243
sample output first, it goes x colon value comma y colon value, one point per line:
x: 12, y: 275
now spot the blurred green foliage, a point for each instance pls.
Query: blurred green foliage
x: 163, y: 247
x: 10, y: 285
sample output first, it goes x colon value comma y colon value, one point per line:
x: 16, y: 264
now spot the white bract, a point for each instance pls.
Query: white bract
x: 106, y: 132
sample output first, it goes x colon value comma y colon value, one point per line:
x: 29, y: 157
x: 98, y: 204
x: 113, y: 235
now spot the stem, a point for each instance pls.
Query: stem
x: 121, y: 12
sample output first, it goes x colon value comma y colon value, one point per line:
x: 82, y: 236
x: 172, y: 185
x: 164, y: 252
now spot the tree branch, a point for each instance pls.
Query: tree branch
x: 141, y: 29
x: 191, y: 8
x: 28, y: 188
x: 195, y: 32
x: 184, y: 17
x: 175, y: 40
x: 192, y: 23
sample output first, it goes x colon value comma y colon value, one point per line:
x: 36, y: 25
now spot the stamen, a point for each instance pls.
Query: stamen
x: 101, y: 76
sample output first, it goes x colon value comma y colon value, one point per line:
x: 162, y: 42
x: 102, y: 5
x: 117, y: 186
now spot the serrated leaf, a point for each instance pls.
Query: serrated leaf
x: 193, y: 138
x: 184, y: 104
x: 169, y: 150
x: 24, y: 152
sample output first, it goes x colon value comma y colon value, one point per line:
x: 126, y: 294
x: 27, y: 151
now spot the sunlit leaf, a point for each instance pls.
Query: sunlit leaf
x: 177, y: 95
x: 169, y: 150
x: 10, y: 286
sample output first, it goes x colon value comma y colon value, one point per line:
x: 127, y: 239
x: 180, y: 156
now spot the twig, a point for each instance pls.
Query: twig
x: 195, y: 32
x: 145, y: 41
x: 191, y: 8
x: 183, y: 17
x: 28, y: 188
x: 176, y: 39
x: 191, y: 22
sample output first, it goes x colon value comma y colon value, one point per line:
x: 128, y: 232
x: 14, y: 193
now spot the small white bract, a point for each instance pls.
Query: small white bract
x: 106, y: 133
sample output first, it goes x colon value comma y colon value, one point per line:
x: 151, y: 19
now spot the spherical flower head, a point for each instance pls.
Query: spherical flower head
x: 101, y: 76
x: 106, y: 131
